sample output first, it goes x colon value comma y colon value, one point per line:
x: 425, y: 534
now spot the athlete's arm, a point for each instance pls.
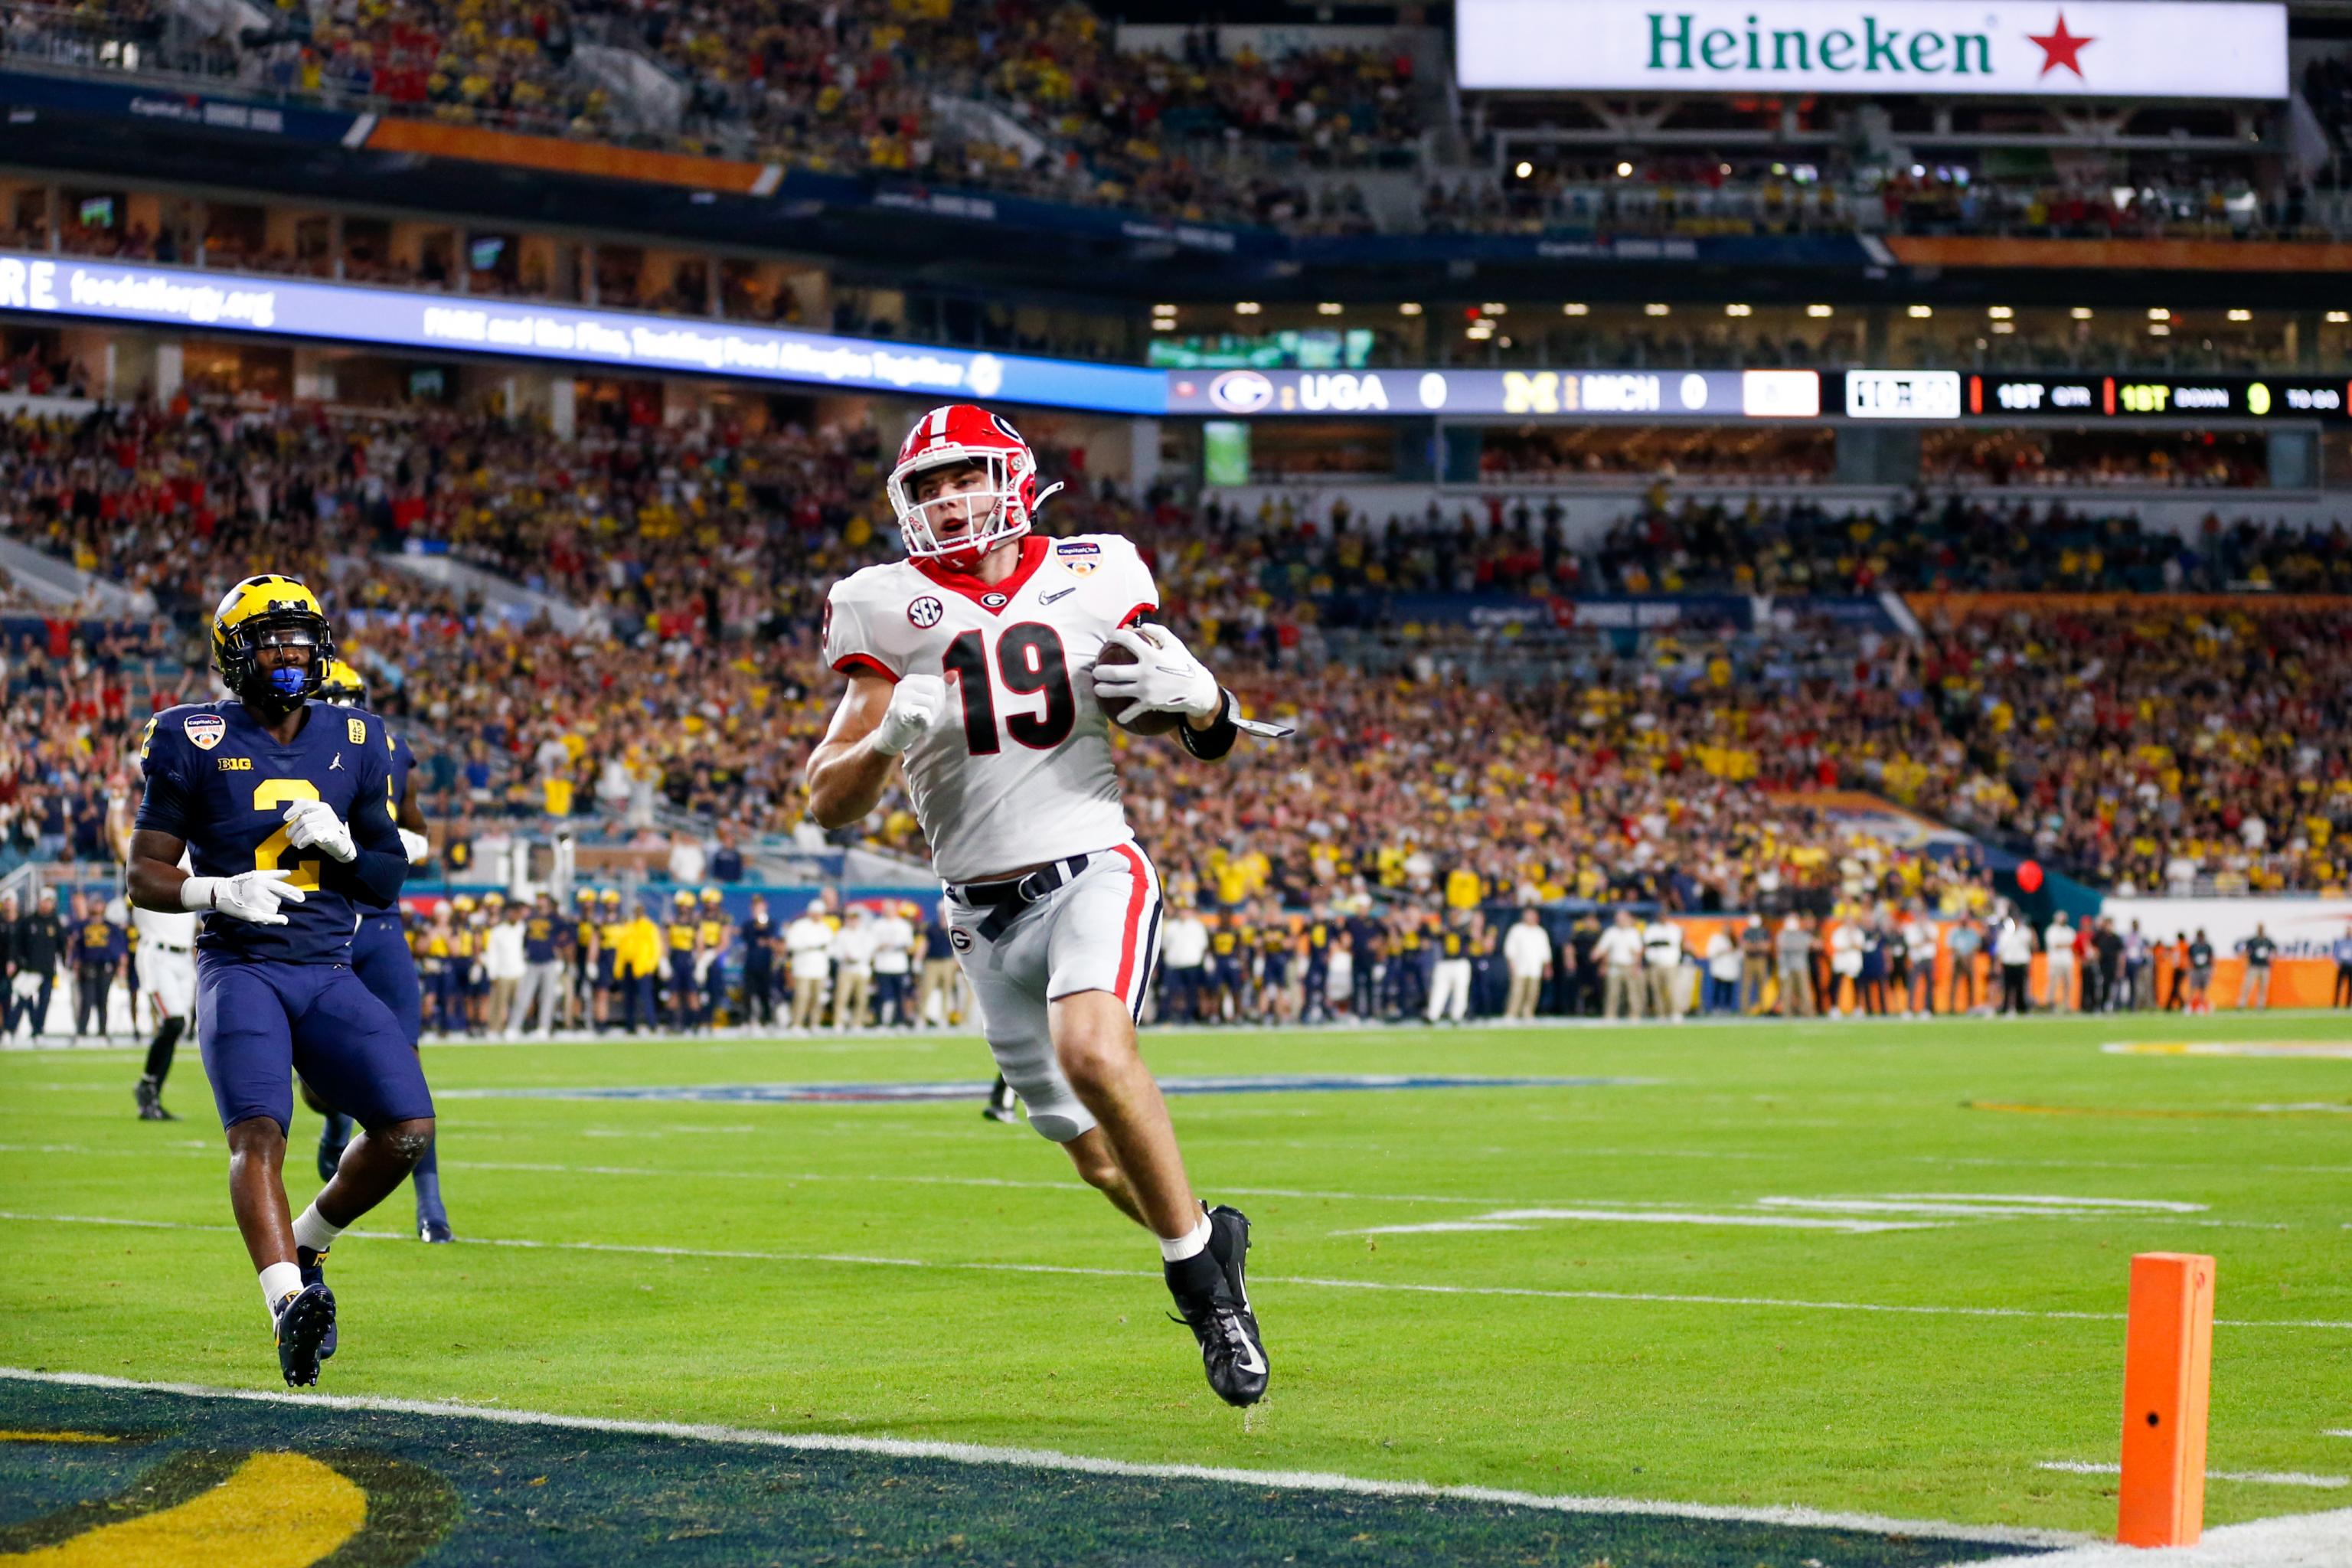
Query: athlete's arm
x: 415, y: 833
x: 379, y: 861
x: 151, y: 877
x: 876, y: 721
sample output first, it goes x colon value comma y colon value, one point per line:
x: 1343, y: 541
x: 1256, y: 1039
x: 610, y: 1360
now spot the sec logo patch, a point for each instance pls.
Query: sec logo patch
x: 204, y: 731
x: 926, y: 612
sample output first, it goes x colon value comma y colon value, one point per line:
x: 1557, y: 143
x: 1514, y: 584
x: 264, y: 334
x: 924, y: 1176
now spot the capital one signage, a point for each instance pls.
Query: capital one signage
x: 2094, y: 48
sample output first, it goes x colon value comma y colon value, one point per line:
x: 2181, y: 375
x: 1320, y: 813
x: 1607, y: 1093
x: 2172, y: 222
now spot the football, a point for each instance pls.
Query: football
x: 1145, y: 723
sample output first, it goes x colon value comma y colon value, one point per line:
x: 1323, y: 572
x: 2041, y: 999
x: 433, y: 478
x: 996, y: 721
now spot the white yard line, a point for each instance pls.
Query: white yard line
x: 1084, y: 1464
x: 2125, y: 1208
x: 1510, y: 1219
x: 2256, y: 1478
x: 1526, y: 1292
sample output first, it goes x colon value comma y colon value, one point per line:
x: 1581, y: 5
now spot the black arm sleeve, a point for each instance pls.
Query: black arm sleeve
x: 1213, y: 742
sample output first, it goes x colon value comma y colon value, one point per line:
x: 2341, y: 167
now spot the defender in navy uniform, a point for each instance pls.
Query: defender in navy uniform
x: 284, y: 807
x: 381, y: 958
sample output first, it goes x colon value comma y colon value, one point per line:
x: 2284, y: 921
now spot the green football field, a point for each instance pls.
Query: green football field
x: 1860, y: 1267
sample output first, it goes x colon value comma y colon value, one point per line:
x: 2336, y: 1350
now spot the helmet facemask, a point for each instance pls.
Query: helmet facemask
x: 271, y: 688
x: 958, y: 526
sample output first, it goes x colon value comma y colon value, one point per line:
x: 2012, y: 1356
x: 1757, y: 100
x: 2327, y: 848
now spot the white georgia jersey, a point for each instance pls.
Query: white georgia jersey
x: 1018, y: 770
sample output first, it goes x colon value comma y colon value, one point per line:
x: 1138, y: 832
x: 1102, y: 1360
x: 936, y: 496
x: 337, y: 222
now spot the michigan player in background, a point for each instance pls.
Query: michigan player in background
x: 283, y: 806
x: 381, y: 958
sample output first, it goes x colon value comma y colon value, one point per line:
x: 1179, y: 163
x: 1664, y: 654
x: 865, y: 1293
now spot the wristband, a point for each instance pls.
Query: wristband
x: 1214, y: 741
x: 200, y: 893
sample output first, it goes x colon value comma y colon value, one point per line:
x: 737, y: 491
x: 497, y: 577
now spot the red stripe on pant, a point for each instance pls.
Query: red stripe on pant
x: 1134, y: 923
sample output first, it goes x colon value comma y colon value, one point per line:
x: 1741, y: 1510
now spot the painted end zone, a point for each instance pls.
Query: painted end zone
x: 498, y: 1487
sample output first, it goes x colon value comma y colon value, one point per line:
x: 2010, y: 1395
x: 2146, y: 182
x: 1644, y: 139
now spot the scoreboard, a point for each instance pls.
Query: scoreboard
x: 2142, y: 396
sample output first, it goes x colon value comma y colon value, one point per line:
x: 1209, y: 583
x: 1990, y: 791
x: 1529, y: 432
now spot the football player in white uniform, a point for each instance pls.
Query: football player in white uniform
x: 977, y: 664
x: 166, y: 960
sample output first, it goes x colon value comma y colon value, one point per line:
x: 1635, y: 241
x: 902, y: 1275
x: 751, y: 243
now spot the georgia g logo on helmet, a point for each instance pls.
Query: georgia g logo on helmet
x: 274, y: 611
x: 958, y: 435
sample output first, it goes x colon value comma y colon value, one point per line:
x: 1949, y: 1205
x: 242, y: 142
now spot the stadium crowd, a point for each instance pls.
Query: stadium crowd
x: 2153, y: 746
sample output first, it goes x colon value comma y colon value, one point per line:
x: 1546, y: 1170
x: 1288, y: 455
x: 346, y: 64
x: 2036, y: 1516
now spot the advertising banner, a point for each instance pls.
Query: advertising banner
x: 46, y: 285
x: 2030, y: 48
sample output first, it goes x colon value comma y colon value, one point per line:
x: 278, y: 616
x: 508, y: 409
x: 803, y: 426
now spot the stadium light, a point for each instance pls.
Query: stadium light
x: 1821, y: 312
x: 2158, y: 330
x: 1330, y: 307
x: 2338, y: 317
x: 2081, y: 312
x: 1247, y: 307
x: 2241, y: 315
x: 1624, y: 171
x: 1524, y: 169
x: 2158, y: 314
x: 2001, y: 327
x: 1581, y: 308
x: 1739, y: 310
x: 1495, y: 309
x: 1657, y: 309
x: 1408, y: 307
x: 1999, y: 312
x: 1921, y: 313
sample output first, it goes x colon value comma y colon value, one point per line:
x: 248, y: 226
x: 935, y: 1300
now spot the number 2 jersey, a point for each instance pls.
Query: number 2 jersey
x: 219, y: 781
x: 1018, y: 770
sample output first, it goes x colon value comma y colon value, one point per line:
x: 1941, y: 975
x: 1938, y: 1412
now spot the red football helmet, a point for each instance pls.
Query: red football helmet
x: 966, y: 433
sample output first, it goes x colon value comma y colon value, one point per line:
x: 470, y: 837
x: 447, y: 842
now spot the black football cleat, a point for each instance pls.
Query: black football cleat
x: 149, y: 1096
x: 1000, y: 1103
x: 1216, y: 1304
x: 435, y: 1227
x: 313, y: 1265
x: 306, y: 1321
x: 1229, y: 1245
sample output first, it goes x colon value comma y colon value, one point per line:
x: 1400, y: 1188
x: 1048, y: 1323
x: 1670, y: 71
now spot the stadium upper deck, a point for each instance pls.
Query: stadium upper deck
x: 965, y: 153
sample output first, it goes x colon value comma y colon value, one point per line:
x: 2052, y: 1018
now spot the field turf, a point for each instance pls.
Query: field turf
x: 1863, y: 1268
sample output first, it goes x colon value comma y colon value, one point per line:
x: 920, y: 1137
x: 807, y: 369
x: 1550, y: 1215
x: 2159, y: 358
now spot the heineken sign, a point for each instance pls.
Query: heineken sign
x: 2029, y: 49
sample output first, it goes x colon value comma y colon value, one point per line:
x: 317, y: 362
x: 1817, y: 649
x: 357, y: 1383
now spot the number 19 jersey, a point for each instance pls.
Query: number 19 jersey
x: 1018, y: 770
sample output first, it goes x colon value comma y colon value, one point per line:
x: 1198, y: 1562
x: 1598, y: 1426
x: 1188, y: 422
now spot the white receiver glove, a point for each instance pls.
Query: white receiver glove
x: 419, y: 847
x: 1164, y: 678
x: 313, y: 824
x: 247, y: 896
x: 916, y: 705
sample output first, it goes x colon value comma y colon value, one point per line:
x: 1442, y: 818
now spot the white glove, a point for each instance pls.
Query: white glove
x: 916, y: 705
x: 247, y: 896
x: 1165, y: 678
x: 313, y: 824
x: 419, y: 847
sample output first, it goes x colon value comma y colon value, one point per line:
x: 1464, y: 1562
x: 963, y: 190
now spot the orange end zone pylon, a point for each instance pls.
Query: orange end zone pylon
x: 2168, y: 1371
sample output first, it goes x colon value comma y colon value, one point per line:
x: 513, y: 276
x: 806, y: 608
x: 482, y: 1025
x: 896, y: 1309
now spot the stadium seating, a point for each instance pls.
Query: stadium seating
x: 699, y: 558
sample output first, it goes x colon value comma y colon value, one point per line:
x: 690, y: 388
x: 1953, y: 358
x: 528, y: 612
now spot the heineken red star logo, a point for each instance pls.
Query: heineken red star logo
x: 2061, y: 48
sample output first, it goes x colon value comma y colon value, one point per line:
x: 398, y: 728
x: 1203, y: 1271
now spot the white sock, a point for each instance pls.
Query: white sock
x: 278, y: 1281
x: 1191, y: 1245
x: 313, y: 1232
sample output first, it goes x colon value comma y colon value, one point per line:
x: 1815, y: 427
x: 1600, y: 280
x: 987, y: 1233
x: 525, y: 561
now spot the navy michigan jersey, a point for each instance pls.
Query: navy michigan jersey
x: 221, y: 783
x: 402, y: 762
